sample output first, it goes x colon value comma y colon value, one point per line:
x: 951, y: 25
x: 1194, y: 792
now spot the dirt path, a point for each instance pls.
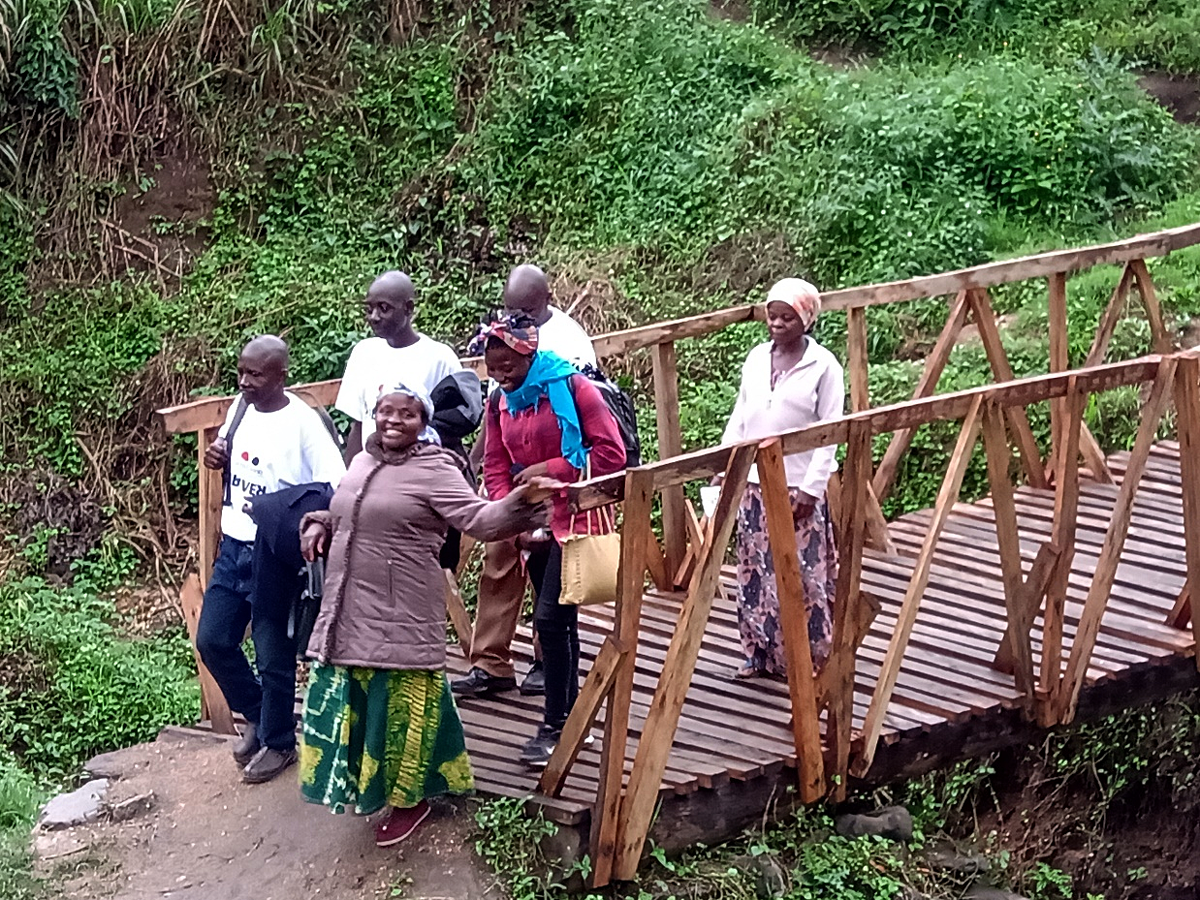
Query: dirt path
x: 210, y: 837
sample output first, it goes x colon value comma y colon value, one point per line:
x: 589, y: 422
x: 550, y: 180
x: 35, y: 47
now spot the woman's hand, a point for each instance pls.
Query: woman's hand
x: 313, y: 541
x: 802, y: 507
x: 538, y: 470
x: 539, y: 489
x: 532, y: 540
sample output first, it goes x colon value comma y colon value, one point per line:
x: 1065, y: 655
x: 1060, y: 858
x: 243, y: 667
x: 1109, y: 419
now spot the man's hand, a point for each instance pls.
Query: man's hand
x: 538, y: 470
x: 313, y: 541
x: 217, y: 454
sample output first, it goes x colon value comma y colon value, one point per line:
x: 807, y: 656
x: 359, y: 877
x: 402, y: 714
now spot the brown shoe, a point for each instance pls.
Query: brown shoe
x: 399, y: 824
x: 247, y: 748
x: 267, y: 764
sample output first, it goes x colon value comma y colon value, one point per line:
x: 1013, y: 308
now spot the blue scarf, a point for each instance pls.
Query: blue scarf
x: 550, y: 375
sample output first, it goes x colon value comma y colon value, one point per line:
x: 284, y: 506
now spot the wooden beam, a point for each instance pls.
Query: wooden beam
x: 935, y: 364
x: 656, y: 565
x: 793, y: 619
x: 595, y: 690
x: 1059, y: 344
x: 211, y: 498
x: 1015, y: 644
x: 1018, y: 422
x: 856, y: 355
x: 838, y: 677
x: 1145, y: 286
x: 1039, y: 265
x: 704, y: 464
x: 1181, y: 612
x: 662, y: 719
x: 1062, y: 536
x: 907, y: 615
x: 1109, y: 319
x: 631, y: 581
x: 1105, y: 572
x: 670, y: 444
x: 1187, y: 408
x: 212, y: 702
x: 459, y: 617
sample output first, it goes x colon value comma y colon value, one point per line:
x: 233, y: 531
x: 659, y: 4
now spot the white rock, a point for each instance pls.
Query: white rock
x: 76, y: 808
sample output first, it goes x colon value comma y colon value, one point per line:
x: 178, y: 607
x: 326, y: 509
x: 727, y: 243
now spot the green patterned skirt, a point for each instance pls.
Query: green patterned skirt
x: 375, y: 737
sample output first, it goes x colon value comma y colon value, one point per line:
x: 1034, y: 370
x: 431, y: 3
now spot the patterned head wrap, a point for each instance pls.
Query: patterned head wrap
x: 518, y: 332
x: 800, y: 296
x: 428, y: 435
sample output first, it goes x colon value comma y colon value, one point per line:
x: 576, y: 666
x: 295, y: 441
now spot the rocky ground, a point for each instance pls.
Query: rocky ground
x: 175, y: 822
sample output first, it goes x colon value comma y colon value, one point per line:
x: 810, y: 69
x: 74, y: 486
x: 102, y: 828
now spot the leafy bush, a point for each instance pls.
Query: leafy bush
x: 72, y: 686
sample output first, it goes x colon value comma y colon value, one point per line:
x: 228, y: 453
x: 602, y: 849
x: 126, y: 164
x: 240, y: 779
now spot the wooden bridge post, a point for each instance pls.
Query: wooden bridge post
x: 606, y: 835
x: 662, y: 719
x: 670, y: 445
x: 793, y: 615
x: 213, y: 705
x: 1187, y: 407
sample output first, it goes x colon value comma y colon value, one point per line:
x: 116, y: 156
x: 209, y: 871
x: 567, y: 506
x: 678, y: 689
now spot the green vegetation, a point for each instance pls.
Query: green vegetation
x: 178, y: 175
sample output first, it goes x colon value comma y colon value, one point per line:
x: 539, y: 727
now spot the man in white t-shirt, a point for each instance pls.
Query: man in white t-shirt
x: 272, y: 441
x: 502, y: 585
x: 397, y: 354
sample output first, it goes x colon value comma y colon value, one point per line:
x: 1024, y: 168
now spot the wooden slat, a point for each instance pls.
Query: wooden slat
x: 637, y: 808
x: 1109, y: 319
x: 1018, y: 422
x: 1145, y: 286
x: 877, y: 533
x: 656, y: 565
x: 211, y: 498
x: 793, y: 617
x: 1114, y: 542
x: 631, y: 582
x: 951, y: 485
x: 670, y: 444
x: 583, y: 715
x: 1059, y: 344
x: 1187, y: 407
x: 935, y: 364
x: 1015, y: 647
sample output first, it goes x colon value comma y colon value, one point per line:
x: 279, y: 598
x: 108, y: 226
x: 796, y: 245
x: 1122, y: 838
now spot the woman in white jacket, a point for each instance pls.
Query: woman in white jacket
x: 788, y: 382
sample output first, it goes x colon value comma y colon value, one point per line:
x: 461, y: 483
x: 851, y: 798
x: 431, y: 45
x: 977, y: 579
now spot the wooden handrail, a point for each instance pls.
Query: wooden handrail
x: 706, y: 463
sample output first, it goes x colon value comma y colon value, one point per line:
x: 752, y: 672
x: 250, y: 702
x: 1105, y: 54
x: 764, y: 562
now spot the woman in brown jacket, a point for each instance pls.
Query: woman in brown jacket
x: 380, y: 726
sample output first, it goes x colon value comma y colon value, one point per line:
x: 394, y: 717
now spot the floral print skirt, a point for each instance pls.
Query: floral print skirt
x: 373, y: 738
x: 758, y: 598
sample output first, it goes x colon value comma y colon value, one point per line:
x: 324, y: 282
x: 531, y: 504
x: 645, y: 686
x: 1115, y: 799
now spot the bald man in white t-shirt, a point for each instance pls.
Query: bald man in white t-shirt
x: 502, y: 585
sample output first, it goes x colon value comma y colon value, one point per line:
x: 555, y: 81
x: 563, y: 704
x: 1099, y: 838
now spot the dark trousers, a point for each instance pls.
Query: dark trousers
x: 558, y: 630
x: 268, y: 704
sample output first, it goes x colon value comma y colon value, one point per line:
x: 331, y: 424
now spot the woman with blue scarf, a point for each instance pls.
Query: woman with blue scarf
x: 549, y: 421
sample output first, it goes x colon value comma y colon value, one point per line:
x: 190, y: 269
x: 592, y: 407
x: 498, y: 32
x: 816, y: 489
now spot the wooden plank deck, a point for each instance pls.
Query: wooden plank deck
x: 734, y: 742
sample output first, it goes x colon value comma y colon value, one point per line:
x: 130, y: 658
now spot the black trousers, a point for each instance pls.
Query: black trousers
x: 558, y: 630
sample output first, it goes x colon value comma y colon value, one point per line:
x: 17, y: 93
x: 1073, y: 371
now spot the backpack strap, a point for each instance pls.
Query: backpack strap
x: 226, y: 474
x: 327, y: 421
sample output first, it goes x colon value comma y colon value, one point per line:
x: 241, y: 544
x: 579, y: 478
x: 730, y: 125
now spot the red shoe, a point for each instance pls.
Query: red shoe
x: 399, y: 824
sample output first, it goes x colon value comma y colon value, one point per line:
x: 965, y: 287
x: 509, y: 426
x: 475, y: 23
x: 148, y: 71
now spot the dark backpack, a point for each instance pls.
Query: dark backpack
x: 620, y: 405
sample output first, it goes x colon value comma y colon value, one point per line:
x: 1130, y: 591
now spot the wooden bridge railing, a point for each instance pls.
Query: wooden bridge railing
x: 624, y: 807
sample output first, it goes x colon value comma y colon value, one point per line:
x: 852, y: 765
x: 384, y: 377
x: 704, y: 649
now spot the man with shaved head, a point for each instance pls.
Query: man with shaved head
x: 502, y: 585
x: 398, y: 353
x: 270, y: 440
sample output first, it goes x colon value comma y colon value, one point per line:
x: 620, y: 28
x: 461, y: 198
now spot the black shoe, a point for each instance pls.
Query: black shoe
x: 246, y: 748
x: 534, y: 684
x: 266, y: 764
x: 540, y: 748
x: 479, y: 683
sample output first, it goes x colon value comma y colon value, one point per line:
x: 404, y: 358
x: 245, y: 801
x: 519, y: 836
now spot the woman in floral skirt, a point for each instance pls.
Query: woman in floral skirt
x: 788, y: 382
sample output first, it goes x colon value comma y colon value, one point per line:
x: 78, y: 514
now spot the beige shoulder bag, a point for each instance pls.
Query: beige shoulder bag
x: 590, y: 561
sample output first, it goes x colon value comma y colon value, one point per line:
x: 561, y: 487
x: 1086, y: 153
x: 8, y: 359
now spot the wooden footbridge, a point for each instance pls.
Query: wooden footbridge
x: 958, y: 630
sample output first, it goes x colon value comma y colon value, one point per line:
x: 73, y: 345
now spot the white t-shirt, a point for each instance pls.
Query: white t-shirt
x: 563, y: 335
x: 275, y: 450
x: 374, y: 363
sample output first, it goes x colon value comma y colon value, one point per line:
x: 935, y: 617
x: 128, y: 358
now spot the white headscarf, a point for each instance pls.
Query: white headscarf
x: 428, y: 435
x: 801, y: 296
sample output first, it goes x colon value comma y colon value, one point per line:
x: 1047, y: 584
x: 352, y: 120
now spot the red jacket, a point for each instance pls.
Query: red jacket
x: 532, y: 436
